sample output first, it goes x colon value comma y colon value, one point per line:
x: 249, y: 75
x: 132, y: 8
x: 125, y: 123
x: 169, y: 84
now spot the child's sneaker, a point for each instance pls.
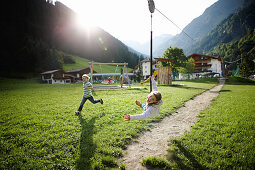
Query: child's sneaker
x: 101, y: 101
x: 78, y: 112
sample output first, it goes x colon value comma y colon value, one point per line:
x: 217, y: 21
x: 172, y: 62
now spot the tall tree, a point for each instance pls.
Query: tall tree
x: 177, y: 56
x: 247, y: 65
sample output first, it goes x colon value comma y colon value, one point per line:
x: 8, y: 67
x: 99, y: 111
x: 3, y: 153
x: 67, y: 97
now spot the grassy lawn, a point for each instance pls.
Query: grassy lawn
x: 224, y: 137
x: 39, y: 130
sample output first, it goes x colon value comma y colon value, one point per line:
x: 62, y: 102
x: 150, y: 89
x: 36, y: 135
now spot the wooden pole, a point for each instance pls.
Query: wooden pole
x: 123, y: 76
x: 91, y: 72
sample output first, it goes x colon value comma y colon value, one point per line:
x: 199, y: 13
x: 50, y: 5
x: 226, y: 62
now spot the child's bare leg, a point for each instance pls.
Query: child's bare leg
x: 138, y: 103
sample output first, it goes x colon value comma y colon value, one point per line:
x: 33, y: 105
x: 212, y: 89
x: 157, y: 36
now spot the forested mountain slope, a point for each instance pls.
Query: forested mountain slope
x: 37, y: 35
x: 232, y: 28
x: 202, y: 25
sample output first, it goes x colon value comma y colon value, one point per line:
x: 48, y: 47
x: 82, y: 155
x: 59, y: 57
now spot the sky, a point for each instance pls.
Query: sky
x: 130, y: 20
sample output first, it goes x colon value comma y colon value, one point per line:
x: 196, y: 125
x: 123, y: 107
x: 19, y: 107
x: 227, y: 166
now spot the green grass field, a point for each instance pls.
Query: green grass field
x: 39, y: 129
x: 224, y: 137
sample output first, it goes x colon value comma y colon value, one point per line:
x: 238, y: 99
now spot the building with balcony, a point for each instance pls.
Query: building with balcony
x: 207, y: 65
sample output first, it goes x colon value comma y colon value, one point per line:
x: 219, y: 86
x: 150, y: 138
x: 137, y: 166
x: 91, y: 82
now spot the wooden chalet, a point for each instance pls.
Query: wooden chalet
x: 55, y: 77
x: 205, y: 64
x: 77, y: 73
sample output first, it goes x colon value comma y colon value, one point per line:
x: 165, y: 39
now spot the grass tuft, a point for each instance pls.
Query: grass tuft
x: 156, y: 162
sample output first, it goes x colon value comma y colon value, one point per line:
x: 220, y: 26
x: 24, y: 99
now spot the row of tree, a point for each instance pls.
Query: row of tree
x: 239, y: 53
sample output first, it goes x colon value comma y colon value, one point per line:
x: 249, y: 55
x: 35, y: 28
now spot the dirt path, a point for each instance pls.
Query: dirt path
x: 154, y: 142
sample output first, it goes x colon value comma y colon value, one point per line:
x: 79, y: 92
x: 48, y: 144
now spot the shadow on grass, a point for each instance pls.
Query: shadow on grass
x: 225, y: 90
x: 192, y: 160
x: 239, y: 81
x: 87, y: 146
x: 181, y: 86
x: 201, y: 80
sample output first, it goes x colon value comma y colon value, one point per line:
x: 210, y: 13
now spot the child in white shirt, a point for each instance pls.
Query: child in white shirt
x: 152, y: 107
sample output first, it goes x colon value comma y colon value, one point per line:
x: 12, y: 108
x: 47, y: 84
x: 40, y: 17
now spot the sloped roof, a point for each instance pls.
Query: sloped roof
x: 80, y: 69
x: 51, y: 71
x: 202, y: 55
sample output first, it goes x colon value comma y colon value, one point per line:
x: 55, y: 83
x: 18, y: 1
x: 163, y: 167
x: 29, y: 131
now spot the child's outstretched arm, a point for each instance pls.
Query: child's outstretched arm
x: 142, y: 116
x: 153, y: 82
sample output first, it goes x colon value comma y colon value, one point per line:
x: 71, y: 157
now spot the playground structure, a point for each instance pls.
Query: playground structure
x: 110, y: 80
x: 164, y: 72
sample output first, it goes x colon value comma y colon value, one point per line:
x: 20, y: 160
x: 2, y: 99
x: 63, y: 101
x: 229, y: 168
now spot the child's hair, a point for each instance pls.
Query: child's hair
x: 157, y: 95
x: 85, y: 75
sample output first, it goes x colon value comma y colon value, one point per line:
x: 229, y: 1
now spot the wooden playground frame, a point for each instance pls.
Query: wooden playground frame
x: 118, y: 64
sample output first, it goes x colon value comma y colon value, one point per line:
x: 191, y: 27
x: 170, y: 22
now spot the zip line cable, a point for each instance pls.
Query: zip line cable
x: 174, y: 24
x: 232, y: 61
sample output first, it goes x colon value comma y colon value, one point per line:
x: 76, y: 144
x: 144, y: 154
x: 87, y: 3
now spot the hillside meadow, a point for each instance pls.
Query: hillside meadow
x: 84, y: 63
x: 39, y: 129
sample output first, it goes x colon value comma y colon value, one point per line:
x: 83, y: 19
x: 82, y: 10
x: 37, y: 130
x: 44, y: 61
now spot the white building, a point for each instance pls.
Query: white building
x: 205, y: 64
x: 55, y: 77
x: 146, y: 67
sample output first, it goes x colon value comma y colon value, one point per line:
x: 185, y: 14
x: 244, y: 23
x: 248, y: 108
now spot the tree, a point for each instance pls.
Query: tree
x: 177, y: 56
x: 247, y: 65
x: 189, y: 67
x: 138, y: 74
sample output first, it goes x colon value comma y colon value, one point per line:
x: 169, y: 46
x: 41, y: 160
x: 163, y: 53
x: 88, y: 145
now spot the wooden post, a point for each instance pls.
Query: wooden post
x: 91, y: 72
x: 123, y: 75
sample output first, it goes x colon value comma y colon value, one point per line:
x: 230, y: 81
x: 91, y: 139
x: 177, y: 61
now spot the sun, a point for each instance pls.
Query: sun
x: 86, y: 15
x: 85, y: 22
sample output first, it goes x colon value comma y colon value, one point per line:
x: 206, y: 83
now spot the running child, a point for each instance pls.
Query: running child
x: 87, y: 93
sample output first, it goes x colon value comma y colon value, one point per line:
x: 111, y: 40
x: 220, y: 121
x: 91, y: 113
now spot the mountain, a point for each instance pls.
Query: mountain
x: 38, y: 35
x: 202, y: 25
x: 142, y: 55
x: 234, y: 41
x: 232, y: 28
x: 145, y: 47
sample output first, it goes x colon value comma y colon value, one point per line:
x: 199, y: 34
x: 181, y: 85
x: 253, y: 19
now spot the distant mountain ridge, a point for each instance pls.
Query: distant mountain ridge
x: 145, y: 47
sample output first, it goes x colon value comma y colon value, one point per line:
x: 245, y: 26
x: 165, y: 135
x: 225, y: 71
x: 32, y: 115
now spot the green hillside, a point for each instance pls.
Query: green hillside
x: 231, y: 29
x: 37, y: 35
x: 83, y: 63
x: 202, y: 25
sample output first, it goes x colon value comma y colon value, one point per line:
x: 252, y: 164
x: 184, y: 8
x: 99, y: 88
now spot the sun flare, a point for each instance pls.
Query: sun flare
x: 87, y: 17
x: 85, y: 22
